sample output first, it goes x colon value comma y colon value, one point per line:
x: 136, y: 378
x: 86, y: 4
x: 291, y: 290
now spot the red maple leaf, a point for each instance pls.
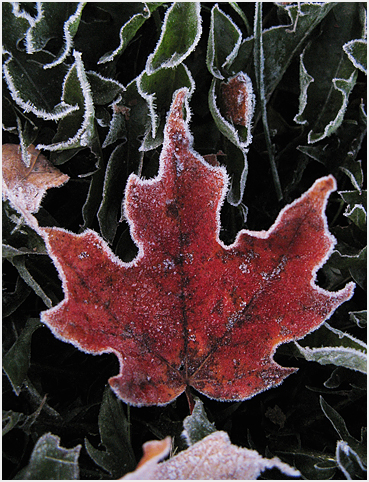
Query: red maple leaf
x: 189, y: 310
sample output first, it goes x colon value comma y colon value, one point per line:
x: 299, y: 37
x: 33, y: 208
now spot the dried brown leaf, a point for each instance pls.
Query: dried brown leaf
x: 25, y: 186
x: 214, y: 457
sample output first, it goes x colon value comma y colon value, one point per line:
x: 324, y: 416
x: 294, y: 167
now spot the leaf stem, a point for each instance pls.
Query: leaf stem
x: 259, y: 74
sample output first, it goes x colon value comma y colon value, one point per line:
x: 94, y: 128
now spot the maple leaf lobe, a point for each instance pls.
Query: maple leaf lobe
x: 189, y: 310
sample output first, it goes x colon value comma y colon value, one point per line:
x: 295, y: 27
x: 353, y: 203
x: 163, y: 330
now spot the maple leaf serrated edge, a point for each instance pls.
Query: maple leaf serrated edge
x: 321, y: 188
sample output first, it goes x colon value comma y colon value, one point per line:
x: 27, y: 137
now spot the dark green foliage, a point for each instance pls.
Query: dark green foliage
x: 86, y: 83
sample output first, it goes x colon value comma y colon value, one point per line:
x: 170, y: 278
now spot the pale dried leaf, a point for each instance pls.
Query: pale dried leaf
x: 214, y: 457
x: 25, y: 186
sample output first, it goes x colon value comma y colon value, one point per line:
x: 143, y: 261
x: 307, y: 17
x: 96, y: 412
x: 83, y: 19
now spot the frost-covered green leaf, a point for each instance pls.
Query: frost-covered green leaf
x: 129, y: 119
x: 157, y: 89
x: 357, y: 52
x: 280, y: 43
x: 340, y: 349
x: 109, y: 210
x: 353, y: 259
x: 325, y: 91
x: 129, y: 29
x: 359, y: 317
x: 355, y: 173
x: 260, y: 82
x: 12, y: 301
x: 19, y: 262
x: 36, y: 95
x: 54, y: 20
x: 305, y: 81
x: 350, y: 453
x: 239, y: 136
x: 118, y: 457
x: 223, y: 43
x: 349, y: 462
x: 49, y: 461
x: 30, y: 87
x: 356, y: 207
x: 16, y: 360
x: 197, y: 426
x: 11, y: 420
x: 104, y: 90
x: 357, y: 215
x: 180, y: 34
x: 27, y: 134
x: 76, y: 129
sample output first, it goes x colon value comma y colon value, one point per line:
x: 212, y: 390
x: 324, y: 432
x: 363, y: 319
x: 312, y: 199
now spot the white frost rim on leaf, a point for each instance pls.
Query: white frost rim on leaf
x: 305, y: 80
x: 84, y: 132
x: 23, y: 14
x: 350, y: 212
x: 67, y: 36
x: 30, y: 46
x: 349, y: 357
x: 352, y: 177
x: 349, y: 47
x: 345, y: 89
x: 175, y: 60
x: 211, y: 42
x: 26, y: 158
x: 146, y: 14
x: 107, y: 79
x: 61, y: 110
x: 339, y: 356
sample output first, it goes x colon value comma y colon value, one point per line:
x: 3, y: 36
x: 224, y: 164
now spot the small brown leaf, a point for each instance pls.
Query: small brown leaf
x: 237, y: 99
x: 25, y: 186
x: 214, y: 457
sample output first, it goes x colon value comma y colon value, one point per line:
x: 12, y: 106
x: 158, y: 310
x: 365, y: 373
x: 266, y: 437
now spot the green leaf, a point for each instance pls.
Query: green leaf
x: 12, y: 301
x: 158, y: 89
x: 356, y: 207
x: 118, y: 457
x: 36, y: 95
x: 27, y: 134
x: 14, y: 26
x: 348, y: 447
x: 237, y: 9
x: 223, y: 43
x: 349, y: 462
x: 351, y: 259
x: 282, y: 43
x: 326, y: 91
x: 180, y: 34
x: 129, y: 120
x: 130, y: 28
x: 49, y: 461
x: 357, y: 53
x: 104, y: 90
x: 76, y: 129
x: 11, y: 420
x: 357, y: 215
x: 109, y: 211
x: 354, y: 171
x: 259, y: 73
x: 359, y: 317
x: 341, y: 349
x: 54, y: 20
x: 19, y: 262
x: 17, y: 359
x: 197, y: 426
